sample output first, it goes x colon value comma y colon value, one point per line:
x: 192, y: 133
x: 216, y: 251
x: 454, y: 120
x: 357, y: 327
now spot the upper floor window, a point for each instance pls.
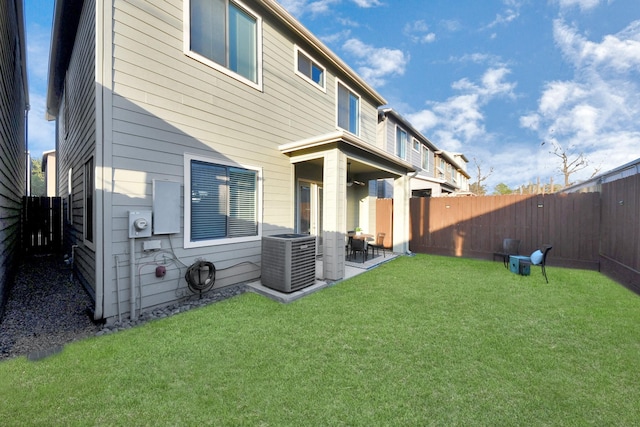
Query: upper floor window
x: 310, y: 69
x: 425, y: 158
x: 416, y: 145
x: 401, y: 143
x: 222, y: 202
x: 225, y: 34
x: 348, y: 109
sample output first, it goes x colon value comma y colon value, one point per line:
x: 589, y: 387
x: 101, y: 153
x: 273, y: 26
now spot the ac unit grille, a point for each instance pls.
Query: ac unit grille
x: 288, y: 261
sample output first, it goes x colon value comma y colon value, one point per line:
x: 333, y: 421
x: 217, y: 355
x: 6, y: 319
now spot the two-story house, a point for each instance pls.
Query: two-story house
x: 437, y: 173
x: 227, y: 120
x: 14, y: 107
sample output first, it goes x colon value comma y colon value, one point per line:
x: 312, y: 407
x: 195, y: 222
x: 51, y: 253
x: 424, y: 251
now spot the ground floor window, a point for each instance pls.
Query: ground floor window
x: 89, y: 185
x: 223, y: 202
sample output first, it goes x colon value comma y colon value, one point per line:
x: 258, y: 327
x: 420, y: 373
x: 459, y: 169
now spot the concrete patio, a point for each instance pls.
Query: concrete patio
x: 352, y: 268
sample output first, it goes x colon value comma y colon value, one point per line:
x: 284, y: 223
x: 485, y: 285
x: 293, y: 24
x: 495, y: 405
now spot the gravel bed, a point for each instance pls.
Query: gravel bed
x: 46, y: 310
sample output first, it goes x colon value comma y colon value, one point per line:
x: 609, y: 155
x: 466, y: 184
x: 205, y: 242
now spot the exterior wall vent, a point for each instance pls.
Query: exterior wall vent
x: 288, y: 261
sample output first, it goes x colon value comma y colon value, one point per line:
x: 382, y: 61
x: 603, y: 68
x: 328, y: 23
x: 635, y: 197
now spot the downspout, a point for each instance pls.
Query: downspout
x: 27, y: 159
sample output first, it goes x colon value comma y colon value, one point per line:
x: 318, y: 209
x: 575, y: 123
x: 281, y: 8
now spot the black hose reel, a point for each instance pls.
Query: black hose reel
x: 200, y: 276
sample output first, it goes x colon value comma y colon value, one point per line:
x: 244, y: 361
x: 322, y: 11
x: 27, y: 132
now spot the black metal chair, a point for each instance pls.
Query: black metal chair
x: 359, y: 245
x: 545, y: 250
x: 509, y: 247
x: 378, y: 244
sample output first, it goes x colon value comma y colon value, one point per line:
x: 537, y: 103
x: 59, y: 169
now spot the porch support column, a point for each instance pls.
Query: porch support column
x: 334, y: 214
x: 401, y: 212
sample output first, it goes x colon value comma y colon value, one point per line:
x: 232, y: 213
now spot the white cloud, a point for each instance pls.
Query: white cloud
x: 376, y: 64
x: 335, y: 37
x: 317, y: 7
x: 367, y: 3
x: 510, y: 14
x: 38, y: 41
x: 459, y: 121
x: 582, y: 4
x: 418, y: 32
x: 321, y: 6
x: 295, y: 7
x: 617, y: 52
x: 595, y: 112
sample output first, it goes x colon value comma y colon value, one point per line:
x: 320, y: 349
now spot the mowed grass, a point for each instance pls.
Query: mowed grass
x: 421, y: 340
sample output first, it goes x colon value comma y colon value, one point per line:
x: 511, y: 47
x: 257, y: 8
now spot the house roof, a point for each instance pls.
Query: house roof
x: 405, y: 122
x: 22, y: 40
x: 65, y: 25
x: 66, y: 17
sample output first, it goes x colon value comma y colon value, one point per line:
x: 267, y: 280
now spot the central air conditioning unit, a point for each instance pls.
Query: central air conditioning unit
x: 288, y: 261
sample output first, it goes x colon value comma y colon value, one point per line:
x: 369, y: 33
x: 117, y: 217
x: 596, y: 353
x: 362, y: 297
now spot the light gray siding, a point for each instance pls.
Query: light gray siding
x: 76, y: 141
x: 13, y: 104
x: 165, y: 104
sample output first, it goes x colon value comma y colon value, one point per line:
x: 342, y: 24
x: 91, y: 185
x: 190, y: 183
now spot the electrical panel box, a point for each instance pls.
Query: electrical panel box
x: 166, y: 207
x: 139, y: 224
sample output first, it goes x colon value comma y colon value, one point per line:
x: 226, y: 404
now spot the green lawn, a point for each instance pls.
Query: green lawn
x: 421, y: 340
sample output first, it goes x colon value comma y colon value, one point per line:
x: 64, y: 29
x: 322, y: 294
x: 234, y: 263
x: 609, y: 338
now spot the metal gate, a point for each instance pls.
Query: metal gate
x: 41, y: 225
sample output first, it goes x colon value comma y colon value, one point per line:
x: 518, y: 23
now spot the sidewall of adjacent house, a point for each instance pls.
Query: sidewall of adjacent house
x: 76, y: 148
x: 12, y: 144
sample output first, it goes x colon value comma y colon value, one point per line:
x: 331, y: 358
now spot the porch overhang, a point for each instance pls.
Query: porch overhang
x: 353, y: 147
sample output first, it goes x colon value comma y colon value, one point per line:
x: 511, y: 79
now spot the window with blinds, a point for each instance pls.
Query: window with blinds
x: 223, y: 201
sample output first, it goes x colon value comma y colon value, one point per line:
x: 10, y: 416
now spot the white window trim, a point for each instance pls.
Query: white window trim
x: 186, y: 32
x: 296, y: 51
x: 187, y: 203
x: 415, y: 142
x: 340, y: 82
x: 88, y: 243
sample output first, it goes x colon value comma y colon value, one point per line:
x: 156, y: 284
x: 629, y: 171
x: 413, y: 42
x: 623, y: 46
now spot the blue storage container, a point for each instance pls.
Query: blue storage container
x: 520, y: 265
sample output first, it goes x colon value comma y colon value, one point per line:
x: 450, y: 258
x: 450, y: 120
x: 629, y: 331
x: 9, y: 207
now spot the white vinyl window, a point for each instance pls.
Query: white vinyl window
x: 88, y: 211
x: 425, y: 158
x: 416, y: 145
x: 309, y: 69
x: 222, y: 202
x: 226, y: 35
x: 348, y: 109
x: 401, y: 143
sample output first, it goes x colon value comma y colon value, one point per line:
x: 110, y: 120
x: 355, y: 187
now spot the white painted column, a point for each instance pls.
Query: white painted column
x: 334, y: 214
x: 401, y: 212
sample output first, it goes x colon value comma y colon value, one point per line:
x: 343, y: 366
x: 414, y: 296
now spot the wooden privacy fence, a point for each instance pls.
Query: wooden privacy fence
x: 476, y: 226
x: 41, y: 225
x: 620, y: 241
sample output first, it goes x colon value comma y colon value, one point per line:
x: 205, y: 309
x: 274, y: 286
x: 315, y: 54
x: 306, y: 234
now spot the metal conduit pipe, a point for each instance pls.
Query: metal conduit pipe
x: 132, y: 275
x: 118, y: 287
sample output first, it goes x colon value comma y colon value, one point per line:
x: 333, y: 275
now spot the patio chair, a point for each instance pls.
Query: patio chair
x: 538, y: 258
x: 359, y: 245
x: 378, y: 244
x: 509, y: 247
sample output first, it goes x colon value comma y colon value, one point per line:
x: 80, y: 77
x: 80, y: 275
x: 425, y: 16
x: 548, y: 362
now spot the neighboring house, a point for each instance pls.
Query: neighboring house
x: 49, y: 171
x: 14, y: 106
x: 594, y: 184
x: 228, y: 119
x: 452, y: 167
x: 437, y: 172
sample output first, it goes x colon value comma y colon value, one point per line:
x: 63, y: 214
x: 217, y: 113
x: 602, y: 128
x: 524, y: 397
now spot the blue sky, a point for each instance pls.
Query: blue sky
x: 498, y: 80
